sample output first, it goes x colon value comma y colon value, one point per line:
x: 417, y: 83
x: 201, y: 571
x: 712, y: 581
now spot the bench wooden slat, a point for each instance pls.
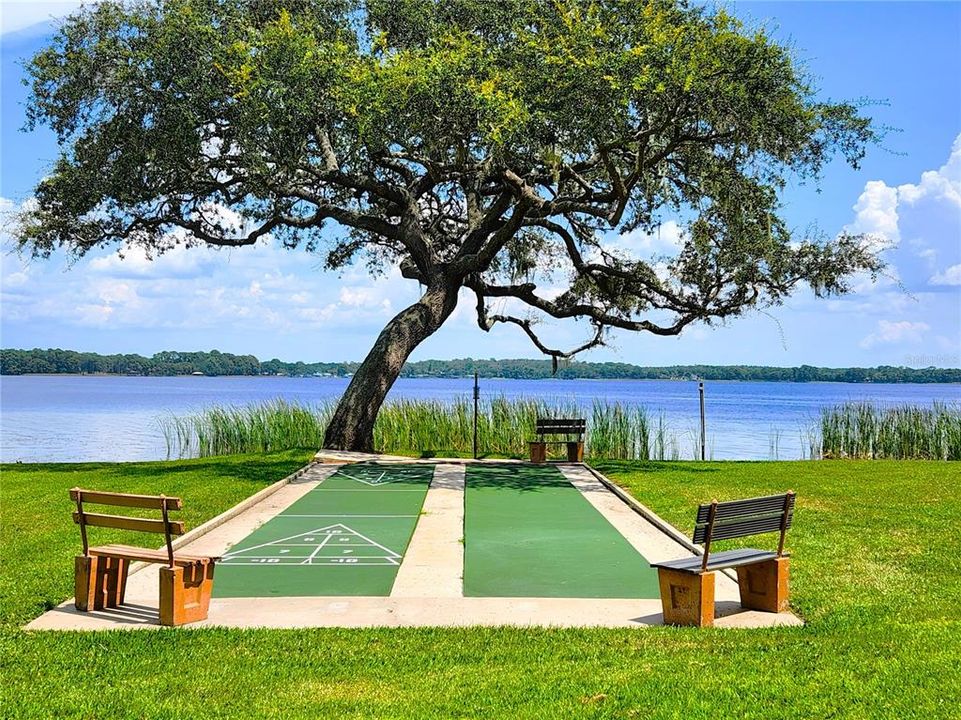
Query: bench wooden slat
x: 741, y: 528
x: 120, y: 522
x: 118, y: 548
x: 750, y: 506
x: 551, y: 425
x: 147, y: 555
x: 719, y: 561
x: 569, y: 427
x: 152, y: 502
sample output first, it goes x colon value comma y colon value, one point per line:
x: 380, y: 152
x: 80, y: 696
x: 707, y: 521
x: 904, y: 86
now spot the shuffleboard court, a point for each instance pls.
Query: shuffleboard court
x: 347, y: 536
x: 530, y: 533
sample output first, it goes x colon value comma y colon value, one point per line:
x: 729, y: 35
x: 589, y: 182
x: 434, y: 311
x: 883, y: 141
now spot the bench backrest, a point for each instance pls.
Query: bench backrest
x: 561, y: 426
x: 165, y: 525
x: 743, y: 518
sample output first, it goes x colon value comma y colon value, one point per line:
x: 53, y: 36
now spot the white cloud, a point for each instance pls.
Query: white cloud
x: 318, y: 315
x: 876, y: 215
x: 111, y: 293
x: 927, y: 213
x: 264, y: 287
x: 864, y: 284
x: 661, y: 271
x: 868, y: 303
x: 178, y: 262
x: 16, y: 15
x: 16, y: 279
x: 942, y: 184
x: 950, y: 276
x: 668, y: 238
x: 889, y: 332
x: 93, y: 315
x: 359, y: 296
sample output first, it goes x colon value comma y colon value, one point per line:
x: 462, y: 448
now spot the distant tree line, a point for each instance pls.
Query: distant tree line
x: 55, y: 361
x: 533, y: 369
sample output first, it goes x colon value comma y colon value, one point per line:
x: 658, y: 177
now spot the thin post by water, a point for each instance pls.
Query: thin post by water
x: 700, y: 392
x: 476, y: 398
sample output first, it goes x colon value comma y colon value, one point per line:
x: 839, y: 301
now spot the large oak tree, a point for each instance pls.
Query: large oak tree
x: 492, y: 145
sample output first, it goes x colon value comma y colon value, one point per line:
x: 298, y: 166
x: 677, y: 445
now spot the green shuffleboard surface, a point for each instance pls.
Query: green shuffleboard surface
x: 530, y: 533
x: 347, y: 536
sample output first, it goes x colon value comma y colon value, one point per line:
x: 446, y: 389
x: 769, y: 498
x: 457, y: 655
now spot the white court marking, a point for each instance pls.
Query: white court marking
x: 379, y: 481
x: 338, y: 538
x: 320, y: 488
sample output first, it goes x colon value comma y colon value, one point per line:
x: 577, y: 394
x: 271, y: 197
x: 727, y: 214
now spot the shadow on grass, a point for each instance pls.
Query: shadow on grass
x: 260, y: 469
x: 688, y: 467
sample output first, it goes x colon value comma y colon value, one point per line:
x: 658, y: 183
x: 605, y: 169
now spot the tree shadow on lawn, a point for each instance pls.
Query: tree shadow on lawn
x: 688, y: 467
x: 258, y: 470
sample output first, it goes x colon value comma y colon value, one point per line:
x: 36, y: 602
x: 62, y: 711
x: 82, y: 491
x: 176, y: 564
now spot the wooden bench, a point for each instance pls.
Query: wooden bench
x: 100, y: 574
x: 569, y: 428
x: 687, y: 585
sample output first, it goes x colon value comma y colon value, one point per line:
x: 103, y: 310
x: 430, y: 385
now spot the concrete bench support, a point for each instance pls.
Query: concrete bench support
x: 185, y: 593
x: 99, y: 582
x: 575, y: 450
x: 764, y: 586
x: 686, y: 598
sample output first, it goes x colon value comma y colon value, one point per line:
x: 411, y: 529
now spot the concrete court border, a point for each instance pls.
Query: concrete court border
x: 433, y: 564
x: 441, y: 609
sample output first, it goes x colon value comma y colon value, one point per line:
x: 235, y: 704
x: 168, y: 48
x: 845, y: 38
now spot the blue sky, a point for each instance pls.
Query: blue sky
x: 276, y: 303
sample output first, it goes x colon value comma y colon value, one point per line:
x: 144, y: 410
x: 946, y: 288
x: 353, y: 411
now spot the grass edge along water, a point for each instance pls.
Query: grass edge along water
x: 615, y: 431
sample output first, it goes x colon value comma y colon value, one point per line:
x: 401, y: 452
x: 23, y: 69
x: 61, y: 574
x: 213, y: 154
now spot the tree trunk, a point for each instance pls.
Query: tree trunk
x: 352, y: 425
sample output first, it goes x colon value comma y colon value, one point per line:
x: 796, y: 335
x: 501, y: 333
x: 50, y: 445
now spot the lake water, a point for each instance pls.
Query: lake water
x: 68, y: 418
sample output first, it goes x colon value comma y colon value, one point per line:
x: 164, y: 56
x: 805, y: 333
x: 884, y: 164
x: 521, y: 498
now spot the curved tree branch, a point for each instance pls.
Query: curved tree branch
x: 486, y: 322
x: 525, y: 293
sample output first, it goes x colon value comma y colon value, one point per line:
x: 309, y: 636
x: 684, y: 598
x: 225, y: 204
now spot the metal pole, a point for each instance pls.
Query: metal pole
x: 700, y: 392
x: 476, y: 398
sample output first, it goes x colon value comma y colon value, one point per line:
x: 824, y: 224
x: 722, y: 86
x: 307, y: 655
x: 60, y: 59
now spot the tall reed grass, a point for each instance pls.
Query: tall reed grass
x: 264, y: 427
x: 422, y: 427
x: 866, y: 430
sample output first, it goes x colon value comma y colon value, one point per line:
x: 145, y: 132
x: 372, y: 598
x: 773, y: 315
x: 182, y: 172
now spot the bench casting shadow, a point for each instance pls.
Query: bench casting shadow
x: 126, y: 613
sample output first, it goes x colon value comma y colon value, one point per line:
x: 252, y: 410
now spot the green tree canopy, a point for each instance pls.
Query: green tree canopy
x: 477, y: 144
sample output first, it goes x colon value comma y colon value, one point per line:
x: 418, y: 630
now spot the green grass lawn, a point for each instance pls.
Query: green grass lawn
x: 876, y: 575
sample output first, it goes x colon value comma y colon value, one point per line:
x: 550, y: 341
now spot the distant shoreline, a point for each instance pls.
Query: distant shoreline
x: 471, y: 377
x: 171, y: 363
